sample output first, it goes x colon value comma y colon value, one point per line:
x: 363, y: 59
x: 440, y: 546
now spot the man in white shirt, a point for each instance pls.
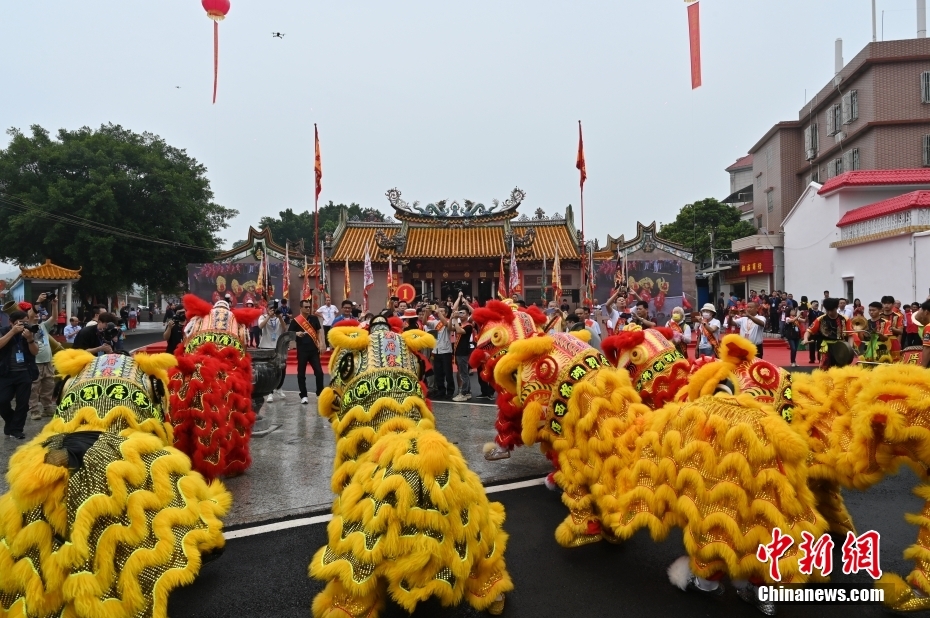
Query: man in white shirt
x: 72, y: 329
x: 845, y: 309
x: 327, y: 313
x: 751, y: 325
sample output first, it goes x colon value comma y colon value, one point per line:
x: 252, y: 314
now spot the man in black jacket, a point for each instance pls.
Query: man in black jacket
x: 18, y: 370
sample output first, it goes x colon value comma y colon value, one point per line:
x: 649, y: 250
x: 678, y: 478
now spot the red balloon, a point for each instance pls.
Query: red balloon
x: 216, y: 9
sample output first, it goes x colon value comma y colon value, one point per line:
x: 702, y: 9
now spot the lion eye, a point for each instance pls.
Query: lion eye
x: 346, y: 366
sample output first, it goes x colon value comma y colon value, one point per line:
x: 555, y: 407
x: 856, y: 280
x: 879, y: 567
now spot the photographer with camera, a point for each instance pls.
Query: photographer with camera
x: 272, y: 325
x: 18, y: 370
x: 98, y: 339
x: 174, y: 331
x: 442, y: 354
x: 42, y: 398
x: 463, y: 346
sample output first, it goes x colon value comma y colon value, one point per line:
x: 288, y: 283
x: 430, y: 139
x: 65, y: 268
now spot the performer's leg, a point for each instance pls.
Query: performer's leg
x: 336, y: 602
x: 831, y: 506
x: 302, y: 358
x: 317, y: 372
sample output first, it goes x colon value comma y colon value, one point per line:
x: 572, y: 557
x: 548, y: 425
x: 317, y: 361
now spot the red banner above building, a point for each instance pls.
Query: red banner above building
x: 756, y: 262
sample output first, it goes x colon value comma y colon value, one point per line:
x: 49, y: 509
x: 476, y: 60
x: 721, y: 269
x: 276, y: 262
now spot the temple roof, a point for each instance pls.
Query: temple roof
x: 50, y: 272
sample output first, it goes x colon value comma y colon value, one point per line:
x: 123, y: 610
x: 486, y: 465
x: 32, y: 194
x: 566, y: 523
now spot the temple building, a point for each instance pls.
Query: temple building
x: 658, y: 271
x: 446, y: 247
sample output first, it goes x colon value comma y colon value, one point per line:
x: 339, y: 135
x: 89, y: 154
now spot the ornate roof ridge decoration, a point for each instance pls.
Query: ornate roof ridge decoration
x: 445, y: 210
x: 397, y: 242
x: 520, y: 242
x: 262, y: 238
x: 648, y: 240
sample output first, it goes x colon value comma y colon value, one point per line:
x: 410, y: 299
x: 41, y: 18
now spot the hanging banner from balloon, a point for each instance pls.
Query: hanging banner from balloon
x: 694, y: 35
x: 216, y: 10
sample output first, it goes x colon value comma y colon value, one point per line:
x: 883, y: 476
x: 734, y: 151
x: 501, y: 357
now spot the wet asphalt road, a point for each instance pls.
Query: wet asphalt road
x: 266, y: 574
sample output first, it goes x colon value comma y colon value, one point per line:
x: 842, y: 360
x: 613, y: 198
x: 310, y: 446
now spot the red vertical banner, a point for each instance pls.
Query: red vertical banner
x: 694, y: 34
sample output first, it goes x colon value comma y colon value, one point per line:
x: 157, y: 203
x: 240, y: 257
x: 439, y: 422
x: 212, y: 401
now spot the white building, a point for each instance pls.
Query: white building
x: 862, y: 234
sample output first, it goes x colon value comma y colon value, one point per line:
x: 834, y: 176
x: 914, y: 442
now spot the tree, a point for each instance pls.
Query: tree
x: 293, y: 227
x: 126, y: 208
x: 695, y: 223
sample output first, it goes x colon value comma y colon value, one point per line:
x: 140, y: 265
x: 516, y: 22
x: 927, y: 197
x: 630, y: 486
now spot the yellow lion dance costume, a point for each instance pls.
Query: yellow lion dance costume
x: 860, y: 425
x: 725, y: 468
x: 104, y: 518
x: 410, y: 519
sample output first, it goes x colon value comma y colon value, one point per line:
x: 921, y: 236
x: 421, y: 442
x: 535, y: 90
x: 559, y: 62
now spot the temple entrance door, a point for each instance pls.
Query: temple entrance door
x: 484, y: 289
x: 450, y: 289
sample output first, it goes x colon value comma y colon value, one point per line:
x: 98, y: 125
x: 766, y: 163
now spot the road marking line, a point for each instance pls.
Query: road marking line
x: 519, y: 485
x: 320, y: 519
x: 281, y: 525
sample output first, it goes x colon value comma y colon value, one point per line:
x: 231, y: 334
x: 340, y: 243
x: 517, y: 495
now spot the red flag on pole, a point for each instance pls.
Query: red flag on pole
x: 305, y: 291
x: 286, y: 284
x: 502, y: 282
x: 694, y: 33
x: 317, y: 162
x: 579, y: 162
x: 347, y: 285
x: 516, y: 287
x: 368, y: 280
x: 556, y: 277
x: 318, y: 171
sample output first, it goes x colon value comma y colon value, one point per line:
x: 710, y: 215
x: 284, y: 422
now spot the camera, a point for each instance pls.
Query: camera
x: 51, y: 295
x: 32, y: 328
x: 274, y: 304
x: 111, y: 332
x: 180, y: 316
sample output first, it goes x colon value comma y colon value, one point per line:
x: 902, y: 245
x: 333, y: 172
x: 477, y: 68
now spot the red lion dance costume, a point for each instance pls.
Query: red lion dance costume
x: 211, y: 390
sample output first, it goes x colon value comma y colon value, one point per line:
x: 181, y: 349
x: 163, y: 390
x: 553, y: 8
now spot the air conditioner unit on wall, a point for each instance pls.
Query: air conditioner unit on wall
x: 839, y: 137
x: 811, y: 154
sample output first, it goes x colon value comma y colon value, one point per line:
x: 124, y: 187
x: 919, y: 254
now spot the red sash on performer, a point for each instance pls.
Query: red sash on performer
x: 305, y: 324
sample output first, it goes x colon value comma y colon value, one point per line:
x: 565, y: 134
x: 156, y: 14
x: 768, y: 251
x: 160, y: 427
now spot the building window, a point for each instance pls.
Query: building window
x: 770, y: 200
x: 833, y: 120
x: 759, y: 222
x: 837, y: 167
x: 850, y: 106
x: 925, y: 87
x: 927, y: 150
x: 810, y: 141
x: 848, y: 284
x: 851, y: 160
x: 815, y: 176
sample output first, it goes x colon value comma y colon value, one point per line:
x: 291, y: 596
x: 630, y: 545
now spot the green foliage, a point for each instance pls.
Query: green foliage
x: 294, y: 227
x: 108, y: 177
x: 696, y: 221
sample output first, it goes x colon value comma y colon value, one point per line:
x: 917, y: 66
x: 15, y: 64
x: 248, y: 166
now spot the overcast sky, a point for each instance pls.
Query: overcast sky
x: 440, y: 99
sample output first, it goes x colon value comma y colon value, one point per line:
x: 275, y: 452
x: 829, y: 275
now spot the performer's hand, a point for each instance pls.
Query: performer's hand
x: 301, y: 334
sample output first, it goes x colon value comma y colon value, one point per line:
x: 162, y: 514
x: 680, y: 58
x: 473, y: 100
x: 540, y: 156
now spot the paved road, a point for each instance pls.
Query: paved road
x: 266, y: 574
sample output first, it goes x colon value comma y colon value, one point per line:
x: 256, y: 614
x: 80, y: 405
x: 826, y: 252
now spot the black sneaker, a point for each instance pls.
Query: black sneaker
x: 18, y: 436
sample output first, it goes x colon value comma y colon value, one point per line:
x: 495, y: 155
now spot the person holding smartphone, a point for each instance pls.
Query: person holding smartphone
x: 18, y: 370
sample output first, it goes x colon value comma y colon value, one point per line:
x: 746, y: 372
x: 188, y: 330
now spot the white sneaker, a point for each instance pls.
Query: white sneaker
x: 459, y: 398
x: 304, y: 400
x: 467, y: 396
x: 270, y: 398
x: 280, y: 394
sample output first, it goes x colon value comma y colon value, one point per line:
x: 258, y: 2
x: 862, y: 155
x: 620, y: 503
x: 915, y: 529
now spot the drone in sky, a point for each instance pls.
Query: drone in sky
x: 277, y: 35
